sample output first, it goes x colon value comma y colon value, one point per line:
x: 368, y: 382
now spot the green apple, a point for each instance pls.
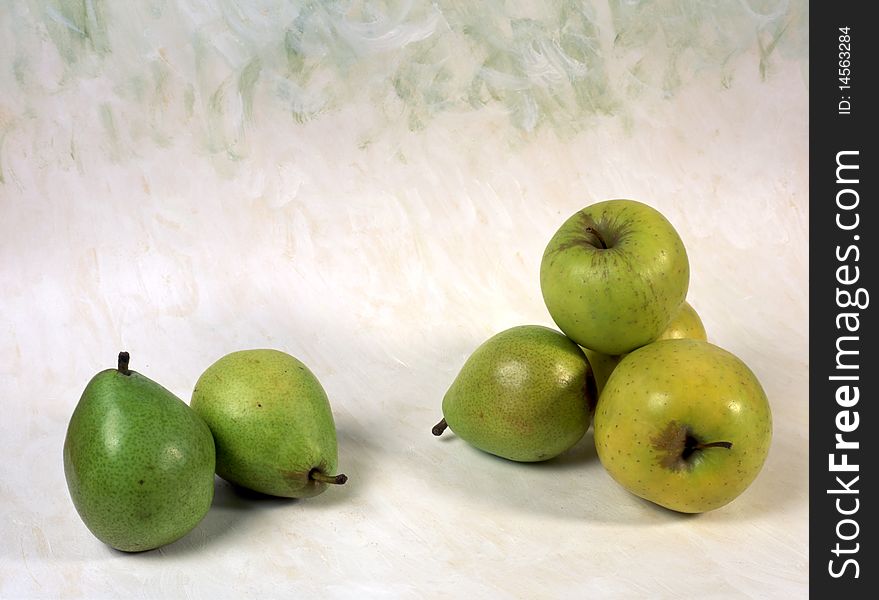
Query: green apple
x: 602, y: 366
x: 685, y: 324
x: 613, y: 276
x: 683, y: 423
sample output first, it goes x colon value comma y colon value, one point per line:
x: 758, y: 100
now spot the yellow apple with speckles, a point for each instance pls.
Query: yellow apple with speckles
x: 685, y: 324
x: 683, y: 423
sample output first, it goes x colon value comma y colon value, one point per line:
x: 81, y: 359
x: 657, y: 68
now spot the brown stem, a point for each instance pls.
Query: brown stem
x: 122, y: 363
x: 595, y: 232
x: 316, y: 475
x: 439, y: 427
x: 692, y: 445
x: 726, y: 445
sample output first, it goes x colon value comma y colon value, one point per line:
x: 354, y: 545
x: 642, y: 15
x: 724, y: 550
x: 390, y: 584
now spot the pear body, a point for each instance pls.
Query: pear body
x: 271, y: 421
x: 524, y: 395
x: 139, y: 462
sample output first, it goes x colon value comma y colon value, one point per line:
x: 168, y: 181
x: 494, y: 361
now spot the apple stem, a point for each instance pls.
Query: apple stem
x: 439, y: 427
x: 122, y: 363
x: 594, y: 232
x: 726, y: 445
x: 316, y: 475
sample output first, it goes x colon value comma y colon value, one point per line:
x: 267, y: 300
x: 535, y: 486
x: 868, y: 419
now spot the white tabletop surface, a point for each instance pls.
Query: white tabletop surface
x: 371, y: 191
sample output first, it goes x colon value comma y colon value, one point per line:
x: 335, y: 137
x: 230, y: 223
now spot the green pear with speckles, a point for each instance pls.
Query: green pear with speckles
x: 613, y: 275
x: 272, y: 423
x: 139, y: 462
x: 683, y: 423
x: 525, y: 394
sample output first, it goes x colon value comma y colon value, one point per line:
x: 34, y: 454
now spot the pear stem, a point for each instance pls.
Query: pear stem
x: 122, y: 363
x: 726, y: 445
x: 595, y: 232
x: 439, y: 427
x: 316, y: 475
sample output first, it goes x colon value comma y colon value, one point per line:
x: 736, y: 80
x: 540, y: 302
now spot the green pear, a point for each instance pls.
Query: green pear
x: 524, y: 395
x: 613, y: 275
x: 685, y: 324
x: 272, y: 423
x: 139, y: 462
x: 683, y: 423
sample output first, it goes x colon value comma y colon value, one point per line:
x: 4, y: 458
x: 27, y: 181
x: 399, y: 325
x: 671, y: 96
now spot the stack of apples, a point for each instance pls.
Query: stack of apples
x: 677, y: 420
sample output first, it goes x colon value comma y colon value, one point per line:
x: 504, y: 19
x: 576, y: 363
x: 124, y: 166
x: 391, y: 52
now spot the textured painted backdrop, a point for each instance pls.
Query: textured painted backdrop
x: 221, y: 71
x: 369, y: 186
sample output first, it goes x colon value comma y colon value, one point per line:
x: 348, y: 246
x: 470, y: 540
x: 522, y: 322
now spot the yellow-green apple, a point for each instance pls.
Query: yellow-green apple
x: 685, y: 324
x: 602, y: 366
x: 613, y: 276
x: 683, y: 423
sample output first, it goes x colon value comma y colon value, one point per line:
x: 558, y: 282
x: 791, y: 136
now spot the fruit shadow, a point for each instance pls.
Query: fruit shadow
x: 230, y: 510
x: 779, y: 488
x: 559, y: 488
x: 233, y: 506
x: 572, y: 486
x: 356, y: 460
x: 757, y: 501
x: 582, y: 453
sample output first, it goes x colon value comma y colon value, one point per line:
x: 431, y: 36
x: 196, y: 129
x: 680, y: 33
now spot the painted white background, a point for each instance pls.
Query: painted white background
x: 159, y: 197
